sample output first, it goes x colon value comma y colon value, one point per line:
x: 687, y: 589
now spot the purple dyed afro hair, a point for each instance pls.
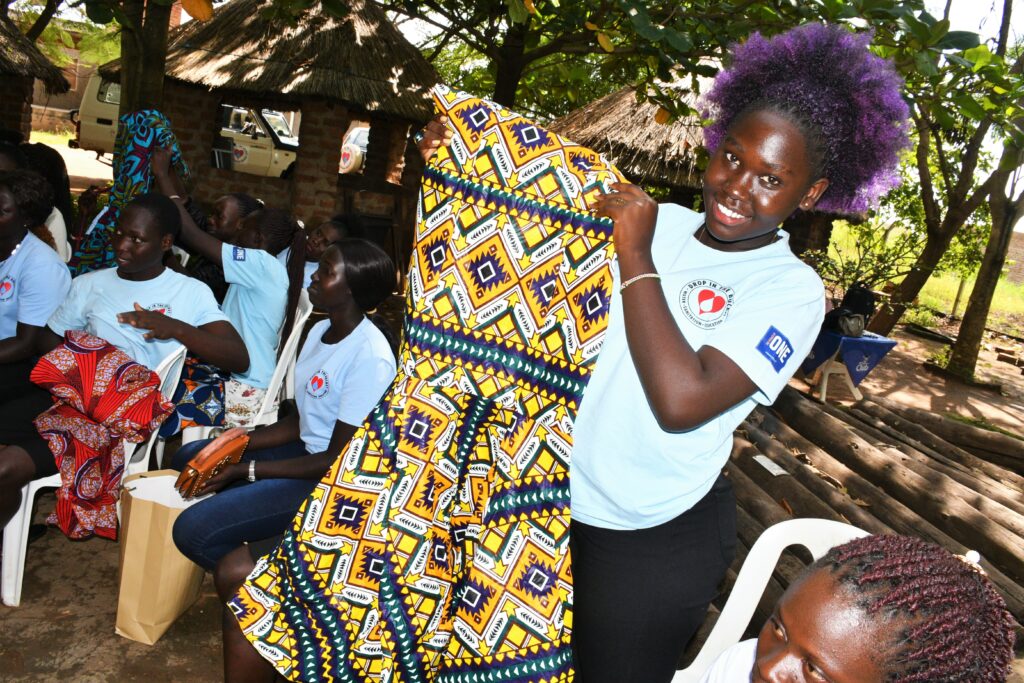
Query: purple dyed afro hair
x: 846, y: 100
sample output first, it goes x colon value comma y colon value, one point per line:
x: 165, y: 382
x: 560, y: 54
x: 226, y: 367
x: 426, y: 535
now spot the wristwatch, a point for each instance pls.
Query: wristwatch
x: 252, y: 471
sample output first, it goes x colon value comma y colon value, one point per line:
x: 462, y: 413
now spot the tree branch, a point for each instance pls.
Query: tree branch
x: 43, y: 20
x: 932, y: 218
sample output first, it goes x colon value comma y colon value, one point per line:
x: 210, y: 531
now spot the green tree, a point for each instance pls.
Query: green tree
x: 96, y: 43
x: 958, y: 95
x: 648, y: 42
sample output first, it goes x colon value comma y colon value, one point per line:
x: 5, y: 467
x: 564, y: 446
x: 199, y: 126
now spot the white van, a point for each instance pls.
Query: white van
x: 253, y: 141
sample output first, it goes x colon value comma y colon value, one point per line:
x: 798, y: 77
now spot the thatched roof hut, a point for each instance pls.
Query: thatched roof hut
x: 645, y: 150
x: 20, y: 58
x: 361, y: 60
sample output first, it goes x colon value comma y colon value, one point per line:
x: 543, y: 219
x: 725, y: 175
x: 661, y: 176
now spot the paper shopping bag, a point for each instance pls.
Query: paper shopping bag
x: 158, y: 583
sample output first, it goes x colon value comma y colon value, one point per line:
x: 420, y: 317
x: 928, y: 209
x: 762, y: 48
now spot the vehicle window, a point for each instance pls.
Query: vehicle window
x: 257, y: 141
x: 109, y: 92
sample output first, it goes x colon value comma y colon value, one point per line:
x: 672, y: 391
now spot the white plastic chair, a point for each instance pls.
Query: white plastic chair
x: 817, y: 535
x: 136, y: 459
x: 285, y: 368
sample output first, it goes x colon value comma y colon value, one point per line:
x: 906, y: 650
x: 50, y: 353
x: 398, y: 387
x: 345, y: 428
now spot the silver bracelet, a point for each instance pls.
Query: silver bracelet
x: 252, y: 471
x: 635, y: 278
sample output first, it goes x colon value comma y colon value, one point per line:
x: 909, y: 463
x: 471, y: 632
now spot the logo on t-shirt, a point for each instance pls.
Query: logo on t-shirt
x: 238, y: 253
x: 160, y: 308
x: 775, y: 347
x: 6, y: 288
x: 318, y: 385
x: 706, y: 303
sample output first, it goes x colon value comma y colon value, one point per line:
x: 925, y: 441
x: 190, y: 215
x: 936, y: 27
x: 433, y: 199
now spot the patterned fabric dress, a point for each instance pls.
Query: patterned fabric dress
x: 436, y: 547
x: 101, y: 397
x: 138, y: 134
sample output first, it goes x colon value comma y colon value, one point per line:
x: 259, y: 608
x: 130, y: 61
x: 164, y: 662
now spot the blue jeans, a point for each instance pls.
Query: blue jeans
x: 242, y: 512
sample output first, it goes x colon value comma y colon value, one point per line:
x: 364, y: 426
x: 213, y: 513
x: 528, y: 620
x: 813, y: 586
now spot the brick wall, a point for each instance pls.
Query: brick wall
x: 1016, y: 255
x: 16, y: 103
x: 315, y: 190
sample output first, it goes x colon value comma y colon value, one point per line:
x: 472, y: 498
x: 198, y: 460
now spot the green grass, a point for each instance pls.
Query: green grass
x: 982, y: 424
x: 940, y: 291
x: 51, y: 139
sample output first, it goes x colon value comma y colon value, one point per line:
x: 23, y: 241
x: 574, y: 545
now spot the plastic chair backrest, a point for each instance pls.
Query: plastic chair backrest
x: 817, y: 535
x: 169, y: 372
x: 286, y: 358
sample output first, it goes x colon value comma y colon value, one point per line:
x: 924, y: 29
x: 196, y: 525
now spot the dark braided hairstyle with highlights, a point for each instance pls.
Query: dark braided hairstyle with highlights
x: 846, y: 101
x: 957, y: 626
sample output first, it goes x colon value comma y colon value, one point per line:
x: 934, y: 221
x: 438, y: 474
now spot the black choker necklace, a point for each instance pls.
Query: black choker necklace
x: 703, y: 230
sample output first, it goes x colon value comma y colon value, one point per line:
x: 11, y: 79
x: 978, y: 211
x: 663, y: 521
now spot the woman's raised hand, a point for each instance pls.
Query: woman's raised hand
x: 433, y: 136
x: 634, y: 214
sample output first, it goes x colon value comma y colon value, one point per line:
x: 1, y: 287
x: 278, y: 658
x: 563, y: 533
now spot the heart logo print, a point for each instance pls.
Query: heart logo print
x: 316, y: 383
x: 708, y: 302
x: 5, y: 286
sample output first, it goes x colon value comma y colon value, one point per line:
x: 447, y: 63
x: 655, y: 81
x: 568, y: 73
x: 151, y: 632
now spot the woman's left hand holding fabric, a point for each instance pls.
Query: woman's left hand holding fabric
x: 635, y: 215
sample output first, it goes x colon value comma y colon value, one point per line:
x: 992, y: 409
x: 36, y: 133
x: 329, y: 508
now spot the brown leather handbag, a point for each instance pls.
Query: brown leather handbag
x: 226, y: 449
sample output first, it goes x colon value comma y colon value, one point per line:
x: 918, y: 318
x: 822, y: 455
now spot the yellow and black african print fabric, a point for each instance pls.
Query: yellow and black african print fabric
x: 437, y: 546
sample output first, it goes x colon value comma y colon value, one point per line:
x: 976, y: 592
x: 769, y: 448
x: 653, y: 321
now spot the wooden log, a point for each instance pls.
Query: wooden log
x: 935, y: 497
x: 923, y: 435
x: 983, y: 485
x: 902, y: 519
x: 1009, y: 449
x: 987, y: 497
x: 789, y: 566
x: 786, y: 490
x: 755, y: 501
x: 814, y: 481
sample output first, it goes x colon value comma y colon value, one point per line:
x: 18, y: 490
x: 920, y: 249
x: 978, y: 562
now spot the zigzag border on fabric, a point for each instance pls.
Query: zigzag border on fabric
x: 553, y: 378
x: 494, y: 197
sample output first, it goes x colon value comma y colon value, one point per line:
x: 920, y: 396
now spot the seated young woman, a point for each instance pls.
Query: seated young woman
x: 52, y: 230
x: 880, y: 608
x: 316, y: 242
x: 223, y: 223
x: 142, y: 308
x: 33, y: 278
x: 344, y: 367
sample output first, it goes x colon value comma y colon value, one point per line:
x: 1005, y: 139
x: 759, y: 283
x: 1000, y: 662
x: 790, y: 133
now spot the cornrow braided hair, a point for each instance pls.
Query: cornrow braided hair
x: 957, y: 626
x: 846, y: 101
x: 247, y: 204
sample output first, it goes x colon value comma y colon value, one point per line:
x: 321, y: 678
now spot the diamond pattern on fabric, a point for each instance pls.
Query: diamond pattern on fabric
x: 436, y: 547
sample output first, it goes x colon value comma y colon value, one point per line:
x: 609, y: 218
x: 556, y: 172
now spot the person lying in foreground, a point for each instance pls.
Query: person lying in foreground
x: 880, y: 608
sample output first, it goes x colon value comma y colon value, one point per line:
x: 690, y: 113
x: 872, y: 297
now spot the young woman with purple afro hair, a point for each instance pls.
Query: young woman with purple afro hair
x: 846, y: 101
x: 881, y: 608
x: 713, y: 315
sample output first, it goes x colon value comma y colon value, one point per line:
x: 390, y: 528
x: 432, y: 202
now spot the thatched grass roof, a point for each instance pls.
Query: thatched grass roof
x: 19, y: 57
x: 645, y: 150
x: 361, y: 60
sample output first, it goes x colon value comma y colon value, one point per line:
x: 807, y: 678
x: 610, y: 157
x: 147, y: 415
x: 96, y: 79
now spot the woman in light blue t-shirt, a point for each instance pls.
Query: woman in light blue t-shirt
x: 346, y: 364
x: 142, y: 308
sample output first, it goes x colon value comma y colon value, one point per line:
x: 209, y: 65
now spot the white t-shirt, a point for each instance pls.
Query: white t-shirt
x: 33, y: 282
x: 255, y: 303
x: 762, y: 308
x: 340, y: 382
x: 96, y: 298
x: 309, y: 267
x: 734, y: 665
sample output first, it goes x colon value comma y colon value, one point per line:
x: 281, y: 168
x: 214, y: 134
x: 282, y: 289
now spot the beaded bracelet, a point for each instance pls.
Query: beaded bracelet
x: 641, y: 276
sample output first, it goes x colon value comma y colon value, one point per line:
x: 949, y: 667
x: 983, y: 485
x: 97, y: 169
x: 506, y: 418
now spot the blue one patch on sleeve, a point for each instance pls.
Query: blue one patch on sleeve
x: 238, y: 253
x: 776, y: 348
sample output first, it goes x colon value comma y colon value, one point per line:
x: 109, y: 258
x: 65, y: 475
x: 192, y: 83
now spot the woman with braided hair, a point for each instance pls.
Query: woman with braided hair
x: 880, y: 608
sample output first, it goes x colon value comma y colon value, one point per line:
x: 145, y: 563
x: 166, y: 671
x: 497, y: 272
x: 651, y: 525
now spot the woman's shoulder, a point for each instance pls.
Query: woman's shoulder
x: 735, y: 664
